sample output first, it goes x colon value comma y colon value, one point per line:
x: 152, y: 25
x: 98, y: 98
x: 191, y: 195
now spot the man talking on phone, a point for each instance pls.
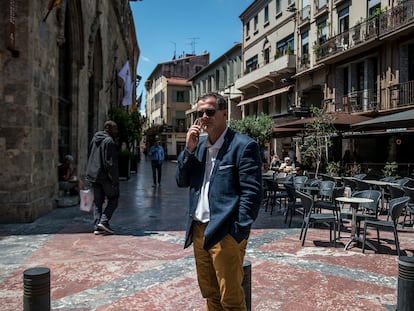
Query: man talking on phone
x: 223, y: 172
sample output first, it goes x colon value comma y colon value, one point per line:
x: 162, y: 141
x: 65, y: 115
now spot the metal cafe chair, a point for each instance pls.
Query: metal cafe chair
x: 368, y: 210
x: 310, y: 217
x: 396, y: 207
x: 409, y: 210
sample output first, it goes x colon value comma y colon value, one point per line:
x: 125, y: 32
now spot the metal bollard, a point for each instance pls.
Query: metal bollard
x: 36, y: 289
x: 405, y: 299
x: 247, y: 283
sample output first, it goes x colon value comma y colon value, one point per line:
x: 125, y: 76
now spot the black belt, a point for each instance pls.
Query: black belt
x: 197, y: 222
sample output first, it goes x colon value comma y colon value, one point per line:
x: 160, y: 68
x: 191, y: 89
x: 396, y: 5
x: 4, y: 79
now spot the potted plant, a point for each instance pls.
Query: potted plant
x: 333, y: 168
x: 390, y: 169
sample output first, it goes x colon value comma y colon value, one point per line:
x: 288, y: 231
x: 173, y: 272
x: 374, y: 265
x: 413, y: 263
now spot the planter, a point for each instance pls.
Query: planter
x: 124, y: 166
x: 134, y: 164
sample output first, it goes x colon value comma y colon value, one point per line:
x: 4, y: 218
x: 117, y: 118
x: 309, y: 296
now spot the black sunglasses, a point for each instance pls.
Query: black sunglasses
x: 208, y: 112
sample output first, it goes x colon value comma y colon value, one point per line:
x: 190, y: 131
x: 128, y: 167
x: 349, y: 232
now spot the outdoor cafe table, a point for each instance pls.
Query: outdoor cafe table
x: 354, y: 202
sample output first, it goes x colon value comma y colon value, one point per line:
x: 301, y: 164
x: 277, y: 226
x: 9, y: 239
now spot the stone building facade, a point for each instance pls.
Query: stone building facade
x: 58, y: 80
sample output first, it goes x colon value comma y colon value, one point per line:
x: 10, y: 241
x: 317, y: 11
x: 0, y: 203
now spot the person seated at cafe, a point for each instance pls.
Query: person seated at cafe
x: 275, y: 163
x: 67, y: 181
x: 287, y: 166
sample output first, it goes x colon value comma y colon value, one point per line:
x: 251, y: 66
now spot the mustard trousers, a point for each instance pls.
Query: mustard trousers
x: 220, y: 271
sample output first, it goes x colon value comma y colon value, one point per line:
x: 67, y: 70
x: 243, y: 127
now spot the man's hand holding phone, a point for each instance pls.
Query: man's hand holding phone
x: 192, y: 135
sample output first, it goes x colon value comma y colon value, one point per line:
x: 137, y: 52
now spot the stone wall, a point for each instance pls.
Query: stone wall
x: 31, y: 82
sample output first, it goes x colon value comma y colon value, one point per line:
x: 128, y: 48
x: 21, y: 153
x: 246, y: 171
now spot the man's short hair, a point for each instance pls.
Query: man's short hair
x: 109, y: 124
x: 220, y: 100
x: 69, y: 157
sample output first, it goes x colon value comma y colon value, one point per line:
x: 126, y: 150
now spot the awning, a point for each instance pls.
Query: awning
x: 341, y: 120
x: 402, y: 119
x: 279, y: 132
x: 265, y: 95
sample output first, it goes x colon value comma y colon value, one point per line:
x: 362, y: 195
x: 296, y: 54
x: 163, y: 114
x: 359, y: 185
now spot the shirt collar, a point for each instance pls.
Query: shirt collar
x: 219, y: 142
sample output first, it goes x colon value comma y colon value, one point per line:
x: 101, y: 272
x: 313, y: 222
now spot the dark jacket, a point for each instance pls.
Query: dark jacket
x: 235, y: 191
x: 103, y: 159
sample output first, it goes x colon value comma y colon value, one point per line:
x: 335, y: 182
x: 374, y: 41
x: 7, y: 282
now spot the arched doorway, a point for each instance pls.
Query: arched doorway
x: 71, y: 59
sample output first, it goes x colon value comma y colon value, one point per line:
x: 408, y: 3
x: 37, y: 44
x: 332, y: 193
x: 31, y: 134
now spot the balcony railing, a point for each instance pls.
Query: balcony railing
x: 355, y: 36
x: 366, y: 31
x: 283, y: 64
x: 398, y: 95
x: 395, y: 96
x: 357, y: 101
x: 396, y: 17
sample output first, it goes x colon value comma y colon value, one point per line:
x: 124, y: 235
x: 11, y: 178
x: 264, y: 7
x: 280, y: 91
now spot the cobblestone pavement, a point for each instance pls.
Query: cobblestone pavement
x: 144, y: 266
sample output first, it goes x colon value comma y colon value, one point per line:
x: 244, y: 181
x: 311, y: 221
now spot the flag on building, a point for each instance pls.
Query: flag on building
x: 52, y: 4
x: 127, y: 99
x: 125, y: 73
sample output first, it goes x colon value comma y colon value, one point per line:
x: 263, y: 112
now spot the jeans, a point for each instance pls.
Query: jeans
x: 156, y: 168
x: 220, y: 271
x: 100, y: 191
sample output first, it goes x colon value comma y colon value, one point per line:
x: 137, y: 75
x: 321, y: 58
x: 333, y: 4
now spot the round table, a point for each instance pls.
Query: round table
x: 354, y: 202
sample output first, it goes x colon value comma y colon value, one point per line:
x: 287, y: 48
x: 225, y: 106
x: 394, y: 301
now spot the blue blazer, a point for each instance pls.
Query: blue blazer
x: 235, y: 191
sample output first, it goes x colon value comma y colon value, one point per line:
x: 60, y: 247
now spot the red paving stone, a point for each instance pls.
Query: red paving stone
x: 144, y: 266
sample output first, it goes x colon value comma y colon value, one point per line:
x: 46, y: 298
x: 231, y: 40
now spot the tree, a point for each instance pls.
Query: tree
x: 129, y: 127
x: 316, y: 140
x: 260, y: 128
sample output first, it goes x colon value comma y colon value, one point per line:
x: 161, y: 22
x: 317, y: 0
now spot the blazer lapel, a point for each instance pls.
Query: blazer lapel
x: 228, y: 138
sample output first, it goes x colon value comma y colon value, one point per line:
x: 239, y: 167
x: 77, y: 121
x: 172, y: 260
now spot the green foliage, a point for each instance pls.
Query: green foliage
x: 317, y: 140
x: 152, y: 132
x: 353, y: 169
x: 129, y: 126
x: 390, y: 169
x: 333, y: 168
x: 260, y: 128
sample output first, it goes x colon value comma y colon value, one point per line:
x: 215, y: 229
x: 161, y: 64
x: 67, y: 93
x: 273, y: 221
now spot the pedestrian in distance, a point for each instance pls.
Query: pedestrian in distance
x: 102, y: 173
x: 223, y: 173
x: 156, y: 154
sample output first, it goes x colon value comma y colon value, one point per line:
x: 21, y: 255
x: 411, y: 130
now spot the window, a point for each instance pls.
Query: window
x: 305, y: 43
x: 322, y: 32
x: 343, y: 18
x: 266, y: 55
x: 256, y: 22
x: 180, y: 96
x: 373, y: 6
x: 285, y: 46
x: 321, y: 4
x: 248, y: 29
x: 278, y: 7
x: 251, y: 64
x: 266, y: 14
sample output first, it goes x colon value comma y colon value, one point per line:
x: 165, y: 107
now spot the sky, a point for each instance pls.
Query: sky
x: 165, y: 27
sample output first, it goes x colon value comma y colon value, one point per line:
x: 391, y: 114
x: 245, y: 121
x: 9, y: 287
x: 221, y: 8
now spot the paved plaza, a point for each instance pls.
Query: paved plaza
x: 144, y: 266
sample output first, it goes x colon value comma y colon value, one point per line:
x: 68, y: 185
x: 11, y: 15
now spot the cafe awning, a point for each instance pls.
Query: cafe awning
x: 265, y: 95
x: 341, y: 121
x: 402, y: 119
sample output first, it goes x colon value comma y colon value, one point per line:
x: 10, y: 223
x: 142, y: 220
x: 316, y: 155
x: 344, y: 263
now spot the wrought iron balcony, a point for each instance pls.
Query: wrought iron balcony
x: 360, y: 34
x: 395, y: 96
x: 358, y: 101
x: 398, y: 95
x: 396, y: 18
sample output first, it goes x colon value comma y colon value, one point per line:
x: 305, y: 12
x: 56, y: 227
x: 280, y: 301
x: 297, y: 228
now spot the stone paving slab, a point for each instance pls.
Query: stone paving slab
x: 144, y: 266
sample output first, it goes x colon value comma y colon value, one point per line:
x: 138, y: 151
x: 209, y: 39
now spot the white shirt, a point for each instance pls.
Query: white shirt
x: 202, y: 212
